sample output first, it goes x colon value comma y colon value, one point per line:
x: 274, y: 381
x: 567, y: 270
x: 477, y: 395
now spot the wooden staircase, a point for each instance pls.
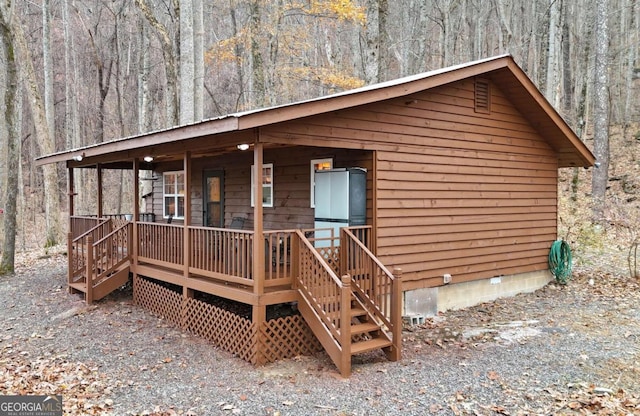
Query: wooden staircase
x: 100, y: 289
x: 347, y: 319
x: 99, y: 260
x: 366, y: 334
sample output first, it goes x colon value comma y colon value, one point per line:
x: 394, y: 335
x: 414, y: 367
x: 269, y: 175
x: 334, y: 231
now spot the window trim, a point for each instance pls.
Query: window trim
x: 313, y: 163
x: 269, y: 185
x: 175, y: 195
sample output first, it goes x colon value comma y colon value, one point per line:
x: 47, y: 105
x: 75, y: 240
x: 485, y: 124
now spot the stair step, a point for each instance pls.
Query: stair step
x: 369, y: 345
x: 363, y: 327
x: 355, y: 313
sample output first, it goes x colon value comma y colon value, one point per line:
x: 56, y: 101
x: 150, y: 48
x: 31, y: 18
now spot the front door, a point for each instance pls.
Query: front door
x: 213, y: 198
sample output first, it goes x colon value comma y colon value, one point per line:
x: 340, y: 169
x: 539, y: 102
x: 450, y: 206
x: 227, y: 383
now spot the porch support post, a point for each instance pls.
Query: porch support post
x: 70, y: 233
x: 186, y: 292
x: 187, y: 215
x: 71, y: 189
x: 136, y: 215
x: 136, y: 190
x: 259, y: 311
x: 99, y: 168
x: 258, y: 229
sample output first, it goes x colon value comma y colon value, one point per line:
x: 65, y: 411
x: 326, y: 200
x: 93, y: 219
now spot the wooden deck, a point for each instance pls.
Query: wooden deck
x: 346, y: 297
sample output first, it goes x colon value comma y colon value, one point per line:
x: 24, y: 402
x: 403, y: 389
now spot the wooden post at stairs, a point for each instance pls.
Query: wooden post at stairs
x: 89, y: 271
x: 345, y: 326
x: 70, y: 259
x: 396, y: 315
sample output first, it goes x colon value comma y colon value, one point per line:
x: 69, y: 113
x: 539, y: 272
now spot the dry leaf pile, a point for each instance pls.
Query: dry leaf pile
x: 85, y: 390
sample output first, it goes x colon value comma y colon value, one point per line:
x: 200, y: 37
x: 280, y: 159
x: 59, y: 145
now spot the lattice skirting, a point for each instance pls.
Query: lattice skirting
x: 277, y: 339
x: 158, y: 300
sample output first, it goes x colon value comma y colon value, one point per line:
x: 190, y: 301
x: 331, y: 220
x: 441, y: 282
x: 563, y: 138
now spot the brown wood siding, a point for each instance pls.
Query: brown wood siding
x: 459, y: 192
x: 291, y: 180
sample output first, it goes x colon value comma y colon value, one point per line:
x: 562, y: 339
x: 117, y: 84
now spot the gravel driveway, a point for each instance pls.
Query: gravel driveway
x: 560, y: 350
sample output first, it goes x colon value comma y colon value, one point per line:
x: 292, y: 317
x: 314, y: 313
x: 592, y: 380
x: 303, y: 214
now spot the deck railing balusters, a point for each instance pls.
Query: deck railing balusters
x: 378, y: 288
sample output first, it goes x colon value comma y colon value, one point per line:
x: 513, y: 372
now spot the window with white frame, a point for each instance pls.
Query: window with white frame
x: 267, y: 185
x: 173, y: 194
x: 316, y: 165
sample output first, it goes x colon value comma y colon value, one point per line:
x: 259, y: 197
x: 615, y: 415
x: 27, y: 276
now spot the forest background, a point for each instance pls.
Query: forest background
x: 79, y: 72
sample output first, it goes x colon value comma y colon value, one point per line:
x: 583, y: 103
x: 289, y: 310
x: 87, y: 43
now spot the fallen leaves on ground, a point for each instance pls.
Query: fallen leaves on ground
x: 82, y: 387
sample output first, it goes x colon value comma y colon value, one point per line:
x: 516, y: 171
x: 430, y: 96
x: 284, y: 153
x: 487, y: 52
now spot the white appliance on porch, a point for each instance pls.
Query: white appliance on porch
x: 341, y: 201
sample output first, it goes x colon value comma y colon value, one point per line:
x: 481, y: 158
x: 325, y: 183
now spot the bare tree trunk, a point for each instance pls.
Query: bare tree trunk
x: 186, y: 62
x: 198, y: 51
x: 371, y: 43
x: 601, y: 112
x: 384, y: 56
x: 505, y: 34
x: 170, y: 65
x: 144, y: 124
x: 143, y: 81
x: 567, y: 75
x: 7, y: 261
x: 553, y: 58
x: 417, y: 57
x: 48, y: 67
x: 242, y: 98
x: 22, y: 211
x: 44, y: 140
x: 258, y: 86
x: 69, y: 98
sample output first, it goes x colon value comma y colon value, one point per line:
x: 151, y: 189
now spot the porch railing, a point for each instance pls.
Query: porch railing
x: 327, y: 244
x: 222, y: 254
x: 376, y: 286
x: 329, y: 298
x: 161, y: 244
x: 280, y: 250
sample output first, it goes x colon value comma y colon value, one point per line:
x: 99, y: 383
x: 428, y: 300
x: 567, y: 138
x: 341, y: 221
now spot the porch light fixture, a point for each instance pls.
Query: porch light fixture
x: 148, y: 159
x: 78, y: 158
x: 243, y: 146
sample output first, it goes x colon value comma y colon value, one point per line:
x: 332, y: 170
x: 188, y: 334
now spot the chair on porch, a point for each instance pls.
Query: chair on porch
x: 237, y: 223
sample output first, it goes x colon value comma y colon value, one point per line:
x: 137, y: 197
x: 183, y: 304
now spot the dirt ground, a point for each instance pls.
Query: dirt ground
x: 571, y: 349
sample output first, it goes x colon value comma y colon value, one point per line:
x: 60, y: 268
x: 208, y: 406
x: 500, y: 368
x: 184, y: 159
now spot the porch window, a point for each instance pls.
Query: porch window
x: 267, y: 185
x: 316, y: 165
x: 173, y: 194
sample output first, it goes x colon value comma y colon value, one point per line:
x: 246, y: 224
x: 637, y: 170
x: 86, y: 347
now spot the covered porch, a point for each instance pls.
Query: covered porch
x: 341, y: 297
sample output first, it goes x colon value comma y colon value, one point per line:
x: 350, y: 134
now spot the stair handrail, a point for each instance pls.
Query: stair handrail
x: 78, y: 250
x: 382, y: 299
x: 120, y: 254
x: 91, y: 230
x: 335, y: 322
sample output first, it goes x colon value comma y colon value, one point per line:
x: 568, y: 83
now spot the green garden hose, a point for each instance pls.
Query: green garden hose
x: 560, y: 261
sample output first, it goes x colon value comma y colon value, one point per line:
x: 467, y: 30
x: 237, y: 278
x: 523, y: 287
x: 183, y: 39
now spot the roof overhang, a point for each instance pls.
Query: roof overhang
x: 219, y: 132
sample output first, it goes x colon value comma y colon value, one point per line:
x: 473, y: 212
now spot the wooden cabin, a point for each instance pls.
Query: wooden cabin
x: 459, y: 189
